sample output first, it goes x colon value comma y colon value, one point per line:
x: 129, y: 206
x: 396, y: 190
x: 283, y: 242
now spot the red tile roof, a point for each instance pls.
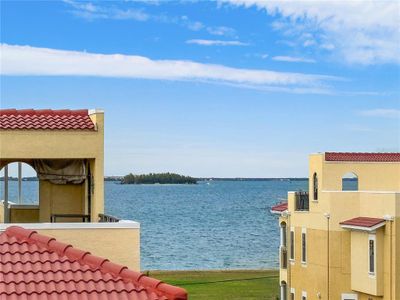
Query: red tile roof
x: 363, y: 222
x: 363, y: 157
x: 280, y: 207
x: 45, y: 119
x: 34, y: 266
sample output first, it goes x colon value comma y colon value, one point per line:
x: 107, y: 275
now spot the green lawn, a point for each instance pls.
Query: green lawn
x: 243, y: 284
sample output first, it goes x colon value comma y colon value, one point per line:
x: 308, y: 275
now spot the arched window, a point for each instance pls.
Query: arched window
x: 315, y: 186
x: 283, y: 235
x: 350, y: 182
x: 283, y: 290
x: 22, y: 184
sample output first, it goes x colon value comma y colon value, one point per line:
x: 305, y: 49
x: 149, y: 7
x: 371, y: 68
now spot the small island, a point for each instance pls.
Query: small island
x: 158, y: 178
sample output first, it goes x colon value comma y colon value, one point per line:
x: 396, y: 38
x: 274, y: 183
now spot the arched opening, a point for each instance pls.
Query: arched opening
x: 315, y: 186
x: 350, y: 182
x: 283, y: 234
x: 283, y: 249
x: 21, y: 185
x: 283, y: 290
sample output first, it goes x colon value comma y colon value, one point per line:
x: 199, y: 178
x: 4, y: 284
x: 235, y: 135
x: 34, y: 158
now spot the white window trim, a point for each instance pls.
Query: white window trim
x: 372, y: 237
x: 303, y: 294
x: 283, y: 231
x: 304, y: 231
x: 292, y: 229
x: 349, y: 296
x: 293, y: 291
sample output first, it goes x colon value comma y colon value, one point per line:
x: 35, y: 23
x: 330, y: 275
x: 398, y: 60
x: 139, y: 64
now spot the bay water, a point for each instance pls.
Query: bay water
x: 210, y: 225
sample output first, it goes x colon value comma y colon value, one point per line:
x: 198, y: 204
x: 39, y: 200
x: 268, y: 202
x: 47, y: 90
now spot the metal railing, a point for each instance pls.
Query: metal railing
x: 104, y: 218
x: 302, y: 201
x: 83, y: 217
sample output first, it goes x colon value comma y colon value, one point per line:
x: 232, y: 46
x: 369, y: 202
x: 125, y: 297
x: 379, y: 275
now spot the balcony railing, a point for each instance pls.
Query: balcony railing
x: 104, y: 218
x: 302, y: 201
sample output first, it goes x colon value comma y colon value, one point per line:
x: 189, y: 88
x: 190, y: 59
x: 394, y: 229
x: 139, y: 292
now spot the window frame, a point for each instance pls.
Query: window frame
x: 303, y: 295
x: 372, y: 238
x: 292, y: 250
x: 315, y: 186
x: 292, y: 293
x: 304, y: 246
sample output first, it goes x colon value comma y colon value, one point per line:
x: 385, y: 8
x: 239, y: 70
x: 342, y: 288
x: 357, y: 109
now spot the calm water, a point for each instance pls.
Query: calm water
x: 221, y: 225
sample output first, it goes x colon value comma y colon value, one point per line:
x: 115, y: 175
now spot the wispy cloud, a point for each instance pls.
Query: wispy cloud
x: 33, y: 61
x: 90, y: 11
x: 221, y: 31
x: 381, y: 112
x: 293, y: 59
x: 362, y: 32
x: 215, y: 43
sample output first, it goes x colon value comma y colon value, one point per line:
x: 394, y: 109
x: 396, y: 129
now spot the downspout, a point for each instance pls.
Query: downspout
x: 328, y: 216
x: 89, y: 183
x: 390, y: 219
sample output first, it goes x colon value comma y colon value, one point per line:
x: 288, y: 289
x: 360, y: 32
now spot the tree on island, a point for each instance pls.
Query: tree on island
x: 160, y: 178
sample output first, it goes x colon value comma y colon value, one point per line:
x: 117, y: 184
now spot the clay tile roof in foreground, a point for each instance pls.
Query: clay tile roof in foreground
x: 362, y: 157
x: 363, y: 223
x: 279, y: 208
x: 45, y: 119
x: 33, y: 266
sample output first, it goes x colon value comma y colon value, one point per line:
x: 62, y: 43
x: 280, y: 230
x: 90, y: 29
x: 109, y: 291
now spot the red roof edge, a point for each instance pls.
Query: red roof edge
x: 47, y: 112
x: 281, y: 207
x: 366, y: 222
x: 363, y: 156
x: 157, y: 286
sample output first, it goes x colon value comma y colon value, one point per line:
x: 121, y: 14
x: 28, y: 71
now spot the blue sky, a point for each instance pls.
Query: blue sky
x: 228, y: 88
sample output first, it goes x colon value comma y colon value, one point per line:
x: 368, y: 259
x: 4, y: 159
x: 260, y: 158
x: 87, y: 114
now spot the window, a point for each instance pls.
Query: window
x: 371, y: 254
x: 350, y: 182
x: 292, y: 243
x: 283, y: 290
x: 303, y: 245
x: 303, y: 295
x: 283, y: 234
x: 292, y: 294
x: 315, y: 186
x: 349, y: 297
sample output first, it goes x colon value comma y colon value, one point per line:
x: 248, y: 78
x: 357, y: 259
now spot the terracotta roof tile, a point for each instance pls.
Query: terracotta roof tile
x: 46, y: 119
x: 363, y: 222
x: 34, y: 266
x: 362, y: 157
x: 280, y: 207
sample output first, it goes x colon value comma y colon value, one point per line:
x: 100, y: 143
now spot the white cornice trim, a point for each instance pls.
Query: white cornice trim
x: 95, y: 111
x: 363, y: 228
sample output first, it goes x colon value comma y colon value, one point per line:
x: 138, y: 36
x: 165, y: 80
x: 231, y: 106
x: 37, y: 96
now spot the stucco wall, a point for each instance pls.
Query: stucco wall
x: 119, y: 245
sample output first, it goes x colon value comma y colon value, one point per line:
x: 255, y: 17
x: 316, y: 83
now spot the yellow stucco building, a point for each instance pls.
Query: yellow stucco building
x: 66, y: 149
x: 341, y: 240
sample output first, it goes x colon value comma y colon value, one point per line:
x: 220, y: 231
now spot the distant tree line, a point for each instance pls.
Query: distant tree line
x: 161, y: 178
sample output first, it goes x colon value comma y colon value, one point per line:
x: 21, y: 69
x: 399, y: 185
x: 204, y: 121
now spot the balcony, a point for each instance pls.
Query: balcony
x: 302, y: 202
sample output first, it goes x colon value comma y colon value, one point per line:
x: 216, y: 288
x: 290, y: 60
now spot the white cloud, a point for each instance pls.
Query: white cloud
x: 216, y: 43
x: 362, y: 32
x: 221, y: 30
x: 33, y: 61
x: 293, y: 59
x: 90, y: 11
x: 381, y: 112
